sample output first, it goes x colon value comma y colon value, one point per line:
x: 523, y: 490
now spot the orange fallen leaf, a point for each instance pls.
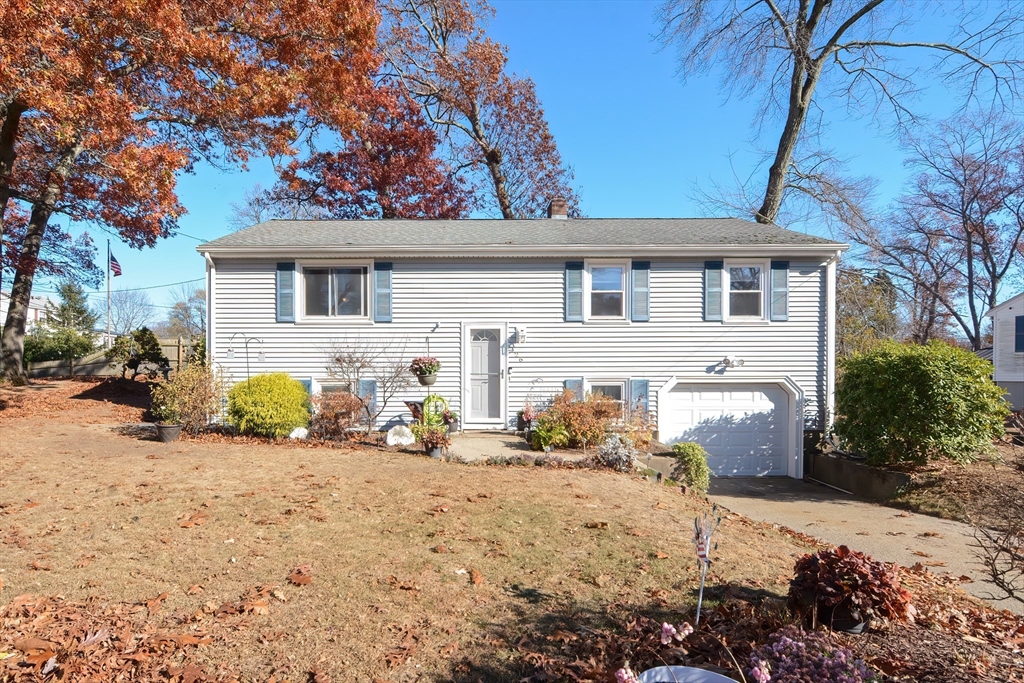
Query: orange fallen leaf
x: 662, y: 556
x: 476, y: 577
x: 154, y: 605
x: 194, y: 589
x: 597, y: 525
x: 195, y: 519
x: 300, y: 576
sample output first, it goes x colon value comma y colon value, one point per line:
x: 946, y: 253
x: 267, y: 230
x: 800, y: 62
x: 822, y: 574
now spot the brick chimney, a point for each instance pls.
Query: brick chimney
x: 557, y: 208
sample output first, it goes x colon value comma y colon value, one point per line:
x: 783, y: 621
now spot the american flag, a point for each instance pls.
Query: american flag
x: 115, y: 267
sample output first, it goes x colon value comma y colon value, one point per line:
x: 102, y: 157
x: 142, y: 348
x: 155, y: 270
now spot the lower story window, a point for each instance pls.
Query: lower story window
x: 612, y: 390
x: 335, y: 291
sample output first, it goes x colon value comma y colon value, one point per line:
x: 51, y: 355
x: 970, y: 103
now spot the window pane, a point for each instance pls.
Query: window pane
x: 606, y: 279
x: 744, y: 279
x: 745, y: 303
x: 606, y: 304
x: 348, y: 287
x: 318, y: 291
x: 613, y: 391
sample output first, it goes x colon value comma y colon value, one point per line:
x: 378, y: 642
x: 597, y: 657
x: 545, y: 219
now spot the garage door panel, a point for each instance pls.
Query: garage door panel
x: 742, y: 427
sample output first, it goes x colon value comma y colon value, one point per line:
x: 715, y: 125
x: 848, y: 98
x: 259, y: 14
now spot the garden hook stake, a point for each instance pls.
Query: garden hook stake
x: 703, y: 527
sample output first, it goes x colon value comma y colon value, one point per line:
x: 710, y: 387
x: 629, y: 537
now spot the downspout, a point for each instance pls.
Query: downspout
x: 211, y: 275
x: 830, y: 343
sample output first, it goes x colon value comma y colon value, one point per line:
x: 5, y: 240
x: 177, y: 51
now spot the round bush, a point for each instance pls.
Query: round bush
x: 692, y: 469
x: 268, y: 405
x: 905, y: 403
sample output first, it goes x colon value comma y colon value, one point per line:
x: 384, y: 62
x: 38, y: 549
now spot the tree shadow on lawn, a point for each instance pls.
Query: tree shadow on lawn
x: 118, y: 391
x: 556, y: 642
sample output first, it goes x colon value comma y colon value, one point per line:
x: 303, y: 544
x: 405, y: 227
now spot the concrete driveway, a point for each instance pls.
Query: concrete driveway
x: 838, y: 518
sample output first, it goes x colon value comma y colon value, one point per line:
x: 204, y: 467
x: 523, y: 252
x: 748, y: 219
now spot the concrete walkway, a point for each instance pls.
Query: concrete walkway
x: 884, y: 533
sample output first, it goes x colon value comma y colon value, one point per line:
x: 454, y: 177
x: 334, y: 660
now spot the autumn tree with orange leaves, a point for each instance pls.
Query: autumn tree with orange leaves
x: 491, y: 121
x: 104, y: 102
x: 388, y: 168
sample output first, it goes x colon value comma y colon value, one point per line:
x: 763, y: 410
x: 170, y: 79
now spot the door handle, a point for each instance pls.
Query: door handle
x: 501, y: 373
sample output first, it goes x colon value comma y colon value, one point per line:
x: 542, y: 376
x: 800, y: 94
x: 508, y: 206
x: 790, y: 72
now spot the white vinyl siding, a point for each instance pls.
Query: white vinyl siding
x: 1009, y: 364
x: 433, y: 300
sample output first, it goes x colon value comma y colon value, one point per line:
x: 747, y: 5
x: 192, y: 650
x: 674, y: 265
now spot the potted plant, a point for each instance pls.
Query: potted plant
x: 434, y: 438
x: 451, y: 420
x: 165, y: 409
x: 845, y: 589
x: 525, y: 416
x: 425, y: 368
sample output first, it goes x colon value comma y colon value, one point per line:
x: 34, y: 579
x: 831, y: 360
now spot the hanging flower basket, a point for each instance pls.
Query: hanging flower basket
x: 425, y: 368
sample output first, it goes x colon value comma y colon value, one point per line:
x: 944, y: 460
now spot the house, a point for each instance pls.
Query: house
x: 722, y: 328
x: 36, y: 309
x: 1008, y: 348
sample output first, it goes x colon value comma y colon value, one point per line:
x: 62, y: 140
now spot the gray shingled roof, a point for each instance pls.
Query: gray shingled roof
x: 492, y: 232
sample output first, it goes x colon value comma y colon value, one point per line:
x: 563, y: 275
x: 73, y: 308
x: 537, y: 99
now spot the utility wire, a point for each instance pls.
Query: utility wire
x: 133, y: 289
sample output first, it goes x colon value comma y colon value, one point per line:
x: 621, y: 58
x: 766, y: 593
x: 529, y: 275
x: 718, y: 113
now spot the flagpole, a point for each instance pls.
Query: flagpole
x: 107, y: 340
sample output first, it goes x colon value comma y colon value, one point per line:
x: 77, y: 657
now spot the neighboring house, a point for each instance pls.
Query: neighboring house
x: 36, y: 309
x: 722, y: 328
x: 1008, y: 348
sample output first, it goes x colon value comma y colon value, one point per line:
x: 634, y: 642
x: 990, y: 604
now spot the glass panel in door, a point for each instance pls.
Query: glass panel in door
x: 484, y: 376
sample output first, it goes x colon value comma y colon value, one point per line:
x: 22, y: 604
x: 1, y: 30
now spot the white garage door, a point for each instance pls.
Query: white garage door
x: 741, y: 426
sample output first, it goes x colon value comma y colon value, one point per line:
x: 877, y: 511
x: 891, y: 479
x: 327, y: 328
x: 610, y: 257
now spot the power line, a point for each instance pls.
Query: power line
x: 133, y: 289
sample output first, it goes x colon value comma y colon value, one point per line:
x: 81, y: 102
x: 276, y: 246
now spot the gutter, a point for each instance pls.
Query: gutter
x: 831, y: 250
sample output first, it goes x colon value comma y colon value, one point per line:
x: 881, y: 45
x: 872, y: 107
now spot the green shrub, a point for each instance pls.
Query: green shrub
x: 692, y: 468
x: 268, y: 405
x: 133, y: 350
x: 548, y: 432
x: 905, y: 403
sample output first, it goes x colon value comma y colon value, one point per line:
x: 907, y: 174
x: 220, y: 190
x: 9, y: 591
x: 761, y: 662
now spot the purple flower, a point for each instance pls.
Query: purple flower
x: 626, y: 675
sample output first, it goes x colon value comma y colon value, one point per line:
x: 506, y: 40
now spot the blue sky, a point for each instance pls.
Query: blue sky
x: 639, y: 140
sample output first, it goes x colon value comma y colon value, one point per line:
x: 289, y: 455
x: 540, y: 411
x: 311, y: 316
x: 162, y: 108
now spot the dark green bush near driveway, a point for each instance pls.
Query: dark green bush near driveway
x: 903, y: 403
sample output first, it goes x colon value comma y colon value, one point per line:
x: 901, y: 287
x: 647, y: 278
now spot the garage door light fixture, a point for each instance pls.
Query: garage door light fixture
x: 732, y: 362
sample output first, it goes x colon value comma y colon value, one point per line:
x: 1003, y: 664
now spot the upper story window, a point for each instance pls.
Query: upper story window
x: 746, y: 291
x: 1018, y: 334
x: 337, y: 291
x: 607, y: 291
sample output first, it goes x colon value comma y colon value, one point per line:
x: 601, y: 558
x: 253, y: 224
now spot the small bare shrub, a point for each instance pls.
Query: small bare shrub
x: 1001, y: 549
x: 336, y: 414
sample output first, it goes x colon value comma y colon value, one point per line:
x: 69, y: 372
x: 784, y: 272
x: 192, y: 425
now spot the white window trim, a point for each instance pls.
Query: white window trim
x: 626, y: 265
x: 765, y: 317
x: 300, y: 293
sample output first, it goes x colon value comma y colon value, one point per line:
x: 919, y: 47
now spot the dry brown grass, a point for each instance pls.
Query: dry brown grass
x: 417, y: 569
x: 466, y: 559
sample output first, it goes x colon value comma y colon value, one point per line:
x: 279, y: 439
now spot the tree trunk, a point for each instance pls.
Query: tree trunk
x: 493, y: 159
x: 12, y: 342
x: 802, y: 84
x: 8, y: 136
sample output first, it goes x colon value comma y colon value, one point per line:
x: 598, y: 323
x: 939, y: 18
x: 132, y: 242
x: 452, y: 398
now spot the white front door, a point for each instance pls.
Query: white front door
x: 484, y: 375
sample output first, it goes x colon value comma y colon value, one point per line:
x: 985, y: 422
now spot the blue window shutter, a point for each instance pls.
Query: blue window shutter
x: 1018, y: 337
x: 713, y: 290
x: 576, y: 387
x: 780, y: 290
x: 574, y: 291
x: 639, y: 396
x: 641, y: 306
x: 307, y: 385
x: 382, y: 292
x: 286, y: 292
x: 368, y: 393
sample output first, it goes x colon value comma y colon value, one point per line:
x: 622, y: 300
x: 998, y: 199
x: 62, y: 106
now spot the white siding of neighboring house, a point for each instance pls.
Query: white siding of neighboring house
x: 530, y: 292
x: 1009, y: 366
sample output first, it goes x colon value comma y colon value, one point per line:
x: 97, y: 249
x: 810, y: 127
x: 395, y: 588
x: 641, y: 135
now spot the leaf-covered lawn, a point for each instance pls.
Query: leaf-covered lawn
x: 215, y: 560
